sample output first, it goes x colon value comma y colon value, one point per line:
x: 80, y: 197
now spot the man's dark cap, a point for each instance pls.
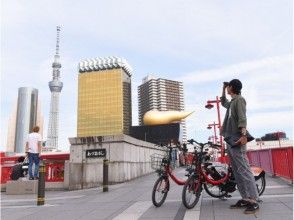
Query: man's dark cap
x: 236, y: 84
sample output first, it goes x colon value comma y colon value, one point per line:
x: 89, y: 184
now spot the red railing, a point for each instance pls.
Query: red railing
x: 275, y: 161
x: 187, y: 159
x: 54, y: 165
x: 54, y: 172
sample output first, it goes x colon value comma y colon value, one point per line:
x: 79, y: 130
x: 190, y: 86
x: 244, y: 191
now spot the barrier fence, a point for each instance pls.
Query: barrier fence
x: 54, y: 165
x: 275, y: 161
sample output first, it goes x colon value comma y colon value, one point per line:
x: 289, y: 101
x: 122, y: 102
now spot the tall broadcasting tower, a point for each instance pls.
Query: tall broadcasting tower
x: 55, y: 87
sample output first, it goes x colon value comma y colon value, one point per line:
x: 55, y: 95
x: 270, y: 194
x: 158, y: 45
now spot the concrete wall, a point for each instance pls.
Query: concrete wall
x: 128, y: 158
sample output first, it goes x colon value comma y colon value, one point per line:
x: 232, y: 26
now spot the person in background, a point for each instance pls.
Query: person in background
x: 33, y: 149
x: 184, y: 151
x: 17, y: 170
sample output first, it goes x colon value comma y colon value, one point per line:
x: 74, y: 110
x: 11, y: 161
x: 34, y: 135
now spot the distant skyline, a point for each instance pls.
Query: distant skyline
x: 201, y: 43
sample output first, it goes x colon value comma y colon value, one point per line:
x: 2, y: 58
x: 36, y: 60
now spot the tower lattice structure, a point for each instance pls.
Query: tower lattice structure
x: 55, y: 87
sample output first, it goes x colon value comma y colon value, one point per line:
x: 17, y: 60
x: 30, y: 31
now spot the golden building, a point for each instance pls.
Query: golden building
x: 104, y: 97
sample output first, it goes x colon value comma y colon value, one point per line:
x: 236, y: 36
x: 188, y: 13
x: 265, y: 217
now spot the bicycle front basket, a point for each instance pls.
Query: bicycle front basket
x: 156, y: 161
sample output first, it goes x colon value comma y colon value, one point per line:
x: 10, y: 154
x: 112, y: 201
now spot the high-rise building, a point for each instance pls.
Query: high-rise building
x: 162, y: 95
x: 10, y: 144
x: 55, y: 87
x: 104, y: 97
x: 26, y: 116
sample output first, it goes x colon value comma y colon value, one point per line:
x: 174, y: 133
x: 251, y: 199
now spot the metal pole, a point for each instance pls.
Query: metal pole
x: 220, y: 126
x: 41, y: 185
x: 214, y: 128
x: 105, y: 175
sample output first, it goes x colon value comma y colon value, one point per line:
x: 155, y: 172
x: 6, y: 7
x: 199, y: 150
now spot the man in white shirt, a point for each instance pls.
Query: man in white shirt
x: 33, y: 149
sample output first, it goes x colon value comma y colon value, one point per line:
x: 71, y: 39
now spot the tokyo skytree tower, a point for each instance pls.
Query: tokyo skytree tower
x: 55, y: 87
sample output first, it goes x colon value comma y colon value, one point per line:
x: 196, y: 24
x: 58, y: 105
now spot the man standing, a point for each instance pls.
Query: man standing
x: 235, y: 121
x: 33, y: 149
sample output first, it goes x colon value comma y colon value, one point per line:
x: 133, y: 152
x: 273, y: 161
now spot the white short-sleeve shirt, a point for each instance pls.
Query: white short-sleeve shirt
x: 33, y: 139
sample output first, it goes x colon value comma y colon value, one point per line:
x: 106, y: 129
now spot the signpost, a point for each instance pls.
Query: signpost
x: 96, y: 153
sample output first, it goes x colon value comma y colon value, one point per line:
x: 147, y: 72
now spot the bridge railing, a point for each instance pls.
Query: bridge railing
x: 54, y: 165
x: 275, y: 161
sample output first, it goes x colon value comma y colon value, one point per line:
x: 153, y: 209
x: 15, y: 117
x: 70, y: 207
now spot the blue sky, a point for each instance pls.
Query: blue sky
x: 201, y: 43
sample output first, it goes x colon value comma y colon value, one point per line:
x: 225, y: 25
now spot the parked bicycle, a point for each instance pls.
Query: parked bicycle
x: 163, y: 166
x: 217, y: 180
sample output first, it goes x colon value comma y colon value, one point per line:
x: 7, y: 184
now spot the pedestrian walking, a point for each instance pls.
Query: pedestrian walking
x: 33, y: 149
x: 236, y: 121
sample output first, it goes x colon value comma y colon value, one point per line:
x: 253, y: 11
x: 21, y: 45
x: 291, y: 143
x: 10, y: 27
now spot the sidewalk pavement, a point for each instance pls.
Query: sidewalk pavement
x: 277, y: 204
x: 132, y: 200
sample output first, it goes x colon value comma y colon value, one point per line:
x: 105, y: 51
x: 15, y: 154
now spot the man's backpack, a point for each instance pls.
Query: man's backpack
x: 17, y: 172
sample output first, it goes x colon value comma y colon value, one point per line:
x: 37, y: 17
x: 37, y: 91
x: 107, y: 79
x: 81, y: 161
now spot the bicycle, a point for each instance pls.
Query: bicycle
x: 163, y: 166
x: 205, y: 173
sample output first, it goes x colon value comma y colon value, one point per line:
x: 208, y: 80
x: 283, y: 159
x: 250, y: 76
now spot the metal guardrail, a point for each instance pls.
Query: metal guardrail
x: 54, y: 166
x: 275, y: 161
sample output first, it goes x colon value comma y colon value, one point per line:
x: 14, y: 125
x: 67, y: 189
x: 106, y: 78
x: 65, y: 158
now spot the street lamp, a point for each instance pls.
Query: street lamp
x: 214, y: 129
x: 210, y: 105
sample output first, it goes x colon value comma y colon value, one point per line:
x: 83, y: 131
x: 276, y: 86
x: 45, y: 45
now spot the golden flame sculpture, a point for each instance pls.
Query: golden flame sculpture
x: 164, y: 117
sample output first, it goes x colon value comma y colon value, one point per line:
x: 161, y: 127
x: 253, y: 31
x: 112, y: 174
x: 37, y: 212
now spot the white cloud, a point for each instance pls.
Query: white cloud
x: 239, y: 69
x: 278, y: 120
x: 164, y: 37
x: 267, y: 83
x: 267, y: 88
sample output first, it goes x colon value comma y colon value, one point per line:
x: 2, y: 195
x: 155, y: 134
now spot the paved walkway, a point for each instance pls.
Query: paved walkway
x: 132, y: 200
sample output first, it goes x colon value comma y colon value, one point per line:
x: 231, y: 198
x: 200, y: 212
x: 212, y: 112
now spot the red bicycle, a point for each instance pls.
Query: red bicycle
x: 217, y: 183
x: 163, y: 165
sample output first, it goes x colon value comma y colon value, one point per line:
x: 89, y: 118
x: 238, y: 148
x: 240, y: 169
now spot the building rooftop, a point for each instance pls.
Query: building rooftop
x: 105, y: 63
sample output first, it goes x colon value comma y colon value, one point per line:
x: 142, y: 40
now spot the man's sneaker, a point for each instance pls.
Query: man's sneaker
x: 36, y: 178
x: 31, y: 178
x: 240, y: 204
x: 251, y: 208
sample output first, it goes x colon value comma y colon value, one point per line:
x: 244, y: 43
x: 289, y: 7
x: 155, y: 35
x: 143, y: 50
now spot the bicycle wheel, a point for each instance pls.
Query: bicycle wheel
x: 214, y: 191
x: 191, y: 192
x: 160, y: 190
x: 260, y: 184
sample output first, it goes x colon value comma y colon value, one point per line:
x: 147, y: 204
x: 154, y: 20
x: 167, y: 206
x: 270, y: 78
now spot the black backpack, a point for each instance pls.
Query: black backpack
x: 17, y: 172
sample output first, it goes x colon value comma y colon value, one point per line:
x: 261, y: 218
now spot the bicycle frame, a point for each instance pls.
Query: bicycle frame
x: 203, y: 175
x: 257, y: 171
x: 173, y: 177
x: 211, y: 181
x: 168, y: 171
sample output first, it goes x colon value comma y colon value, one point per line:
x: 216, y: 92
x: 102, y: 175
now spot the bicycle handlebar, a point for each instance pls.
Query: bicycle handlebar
x: 215, y: 146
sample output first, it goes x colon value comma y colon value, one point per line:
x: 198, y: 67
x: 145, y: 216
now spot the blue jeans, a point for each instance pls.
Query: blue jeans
x: 33, y: 158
